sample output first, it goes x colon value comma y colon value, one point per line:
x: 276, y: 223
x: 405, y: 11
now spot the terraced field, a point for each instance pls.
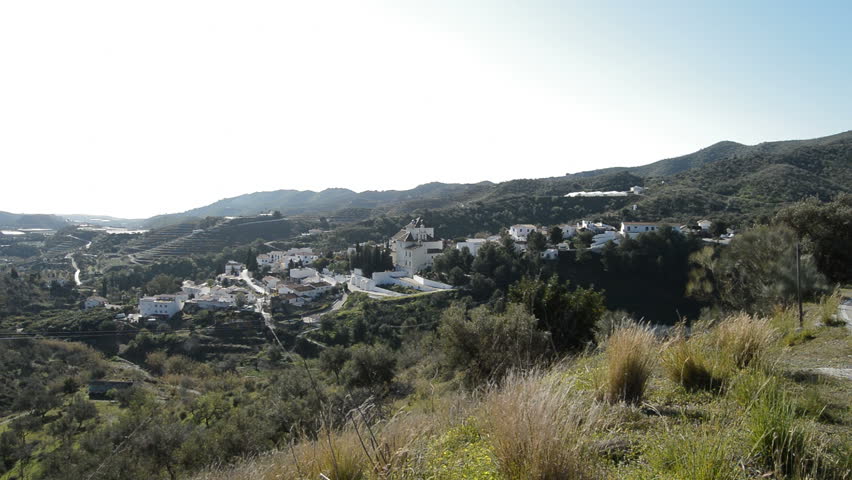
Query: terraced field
x: 188, y: 239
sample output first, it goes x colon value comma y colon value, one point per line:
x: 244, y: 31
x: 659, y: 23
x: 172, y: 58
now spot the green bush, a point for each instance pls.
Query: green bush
x: 703, y: 454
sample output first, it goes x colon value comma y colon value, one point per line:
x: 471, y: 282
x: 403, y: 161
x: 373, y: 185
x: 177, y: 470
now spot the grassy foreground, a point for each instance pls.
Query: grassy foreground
x: 739, y: 398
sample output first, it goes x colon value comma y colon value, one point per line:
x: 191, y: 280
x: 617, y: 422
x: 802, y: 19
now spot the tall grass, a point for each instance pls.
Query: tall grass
x: 826, y: 310
x: 539, y: 428
x: 782, y: 442
x: 630, y: 353
x: 775, y: 437
x: 690, y: 362
x: 744, y: 340
x: 697, y: 454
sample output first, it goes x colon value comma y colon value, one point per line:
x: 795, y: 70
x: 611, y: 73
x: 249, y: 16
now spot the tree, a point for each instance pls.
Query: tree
x: 332, y: 360
x: 555, y: 235
x: 369, y: 366
x: 453, y: 260
x: 240, y: 300
x: 756, y: 271
x: 536, y: 242
x: 162, y: 283
x: 583, y: 239
x: 251, y: 261
x: 81, y: 409
x: 569, y: 316
x: 160, y: 442
x: 486, y: 344
x: 37, y: 400
x: 826, y: 229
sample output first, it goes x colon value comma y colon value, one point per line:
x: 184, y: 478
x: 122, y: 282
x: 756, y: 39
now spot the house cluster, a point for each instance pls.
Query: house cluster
x: 602, y: 232
x: 204, y: 297
x: 279, y: 261
x: 415, y: 247
x: 216, y: 297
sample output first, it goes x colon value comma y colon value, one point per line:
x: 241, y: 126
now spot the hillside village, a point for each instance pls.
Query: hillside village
x: 288, y: 276
x: 204, y: 324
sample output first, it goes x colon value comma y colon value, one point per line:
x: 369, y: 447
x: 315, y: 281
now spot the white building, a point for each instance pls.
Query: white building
x: 414, y: 247
x: 161, y: 305
x: 94, y: 302
x: 234, y: 268
x: 705, y: 224
x: 191, y: 289
x: 472, y: 244
x: 634, y: 229
x: 293, y: 299
x: 596, y: 227
x: 568, y: 231
x: 302, y: 273
x: 601, y: 239
x: 637, y: 190
x: 279, y: 260
x: 321, y: 287
x: 296, y: 255
x: 271, y: 282
x: 211, y: 302
x: 520, y: 232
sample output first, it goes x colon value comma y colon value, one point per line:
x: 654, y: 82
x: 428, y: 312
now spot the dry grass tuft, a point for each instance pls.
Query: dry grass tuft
x: 744, y: 339
x: 630, y: 354
x: 539, y: 428
x: 690, y: 363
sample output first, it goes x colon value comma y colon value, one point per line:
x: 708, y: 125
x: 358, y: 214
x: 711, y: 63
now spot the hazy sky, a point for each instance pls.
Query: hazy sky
x: 138, y: 108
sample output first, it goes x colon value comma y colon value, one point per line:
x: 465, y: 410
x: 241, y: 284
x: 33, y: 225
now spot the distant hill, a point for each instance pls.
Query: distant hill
x: 327, y: 202
x: 23, y: 220
x: 796, y: 168
x: 720, y: 151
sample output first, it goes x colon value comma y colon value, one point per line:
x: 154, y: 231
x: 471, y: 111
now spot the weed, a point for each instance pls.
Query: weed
x: 630, y: 354
x: 688, y: 363
x: 744, y: 339
x: 539, y: 428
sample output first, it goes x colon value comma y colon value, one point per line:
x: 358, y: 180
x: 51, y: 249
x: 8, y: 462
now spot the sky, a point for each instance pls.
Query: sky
x: 133, y: 109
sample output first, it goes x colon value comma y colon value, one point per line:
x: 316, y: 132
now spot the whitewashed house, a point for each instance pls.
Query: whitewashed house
x: 271, y: 282
x: 212, y: 302
x: 414, y: 247
x: 233, y: 268
x: 302, y: 273
x: 520, y: 232
x: 634, y: 229
x: 637, y: 190
x: 602, y: 239
x: 293, y: 299
x: 568, y: 230
x: 472, y: 244
x: 705, y: 224
x: 321, y: 287
x: 161, y: 305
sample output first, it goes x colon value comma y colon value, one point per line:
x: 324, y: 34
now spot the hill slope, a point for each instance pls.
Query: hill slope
x: 23, y: 220
x: 724, y: 169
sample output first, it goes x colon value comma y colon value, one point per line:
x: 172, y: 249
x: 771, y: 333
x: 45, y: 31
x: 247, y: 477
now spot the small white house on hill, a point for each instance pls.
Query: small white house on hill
x: 472, y: 245
x: 234, y: 268
x: 634, y: 229
x: 520, y: 232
